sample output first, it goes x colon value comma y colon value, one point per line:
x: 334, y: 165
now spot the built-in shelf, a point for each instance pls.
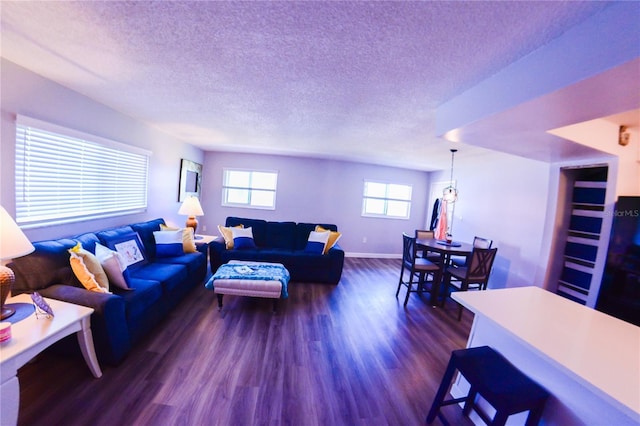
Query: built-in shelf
x: 583, y: 239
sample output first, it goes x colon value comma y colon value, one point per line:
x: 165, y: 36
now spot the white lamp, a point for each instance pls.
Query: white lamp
x: 192, y: 208
x: 13, y: 243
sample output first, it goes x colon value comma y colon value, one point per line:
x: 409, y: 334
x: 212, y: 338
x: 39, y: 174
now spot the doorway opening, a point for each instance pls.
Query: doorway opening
x: 581, y: 239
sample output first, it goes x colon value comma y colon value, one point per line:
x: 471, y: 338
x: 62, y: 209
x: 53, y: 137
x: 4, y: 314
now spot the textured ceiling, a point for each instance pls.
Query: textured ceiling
x: 350, y: 80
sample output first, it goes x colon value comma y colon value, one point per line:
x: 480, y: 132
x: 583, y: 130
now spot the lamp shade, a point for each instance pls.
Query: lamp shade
x: 13, y: 242
x: 450, y: 193
x: 191, y: 207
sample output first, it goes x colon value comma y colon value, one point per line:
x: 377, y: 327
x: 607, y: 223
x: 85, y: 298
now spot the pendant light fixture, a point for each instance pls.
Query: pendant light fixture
x: 450, y: 193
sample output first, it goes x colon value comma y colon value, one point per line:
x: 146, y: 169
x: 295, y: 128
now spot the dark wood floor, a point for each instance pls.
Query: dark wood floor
x: 349, y: 354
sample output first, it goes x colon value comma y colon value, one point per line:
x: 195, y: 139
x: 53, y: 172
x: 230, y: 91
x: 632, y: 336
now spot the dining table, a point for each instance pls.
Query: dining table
x: 446, y: 249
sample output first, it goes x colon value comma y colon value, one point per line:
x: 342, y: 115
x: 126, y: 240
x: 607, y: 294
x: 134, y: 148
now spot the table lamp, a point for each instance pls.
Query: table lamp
x: 13, y: 243
x: 191, y: 207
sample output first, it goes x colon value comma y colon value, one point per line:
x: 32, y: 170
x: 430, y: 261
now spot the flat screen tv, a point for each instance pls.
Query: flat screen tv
x: 620, y: 289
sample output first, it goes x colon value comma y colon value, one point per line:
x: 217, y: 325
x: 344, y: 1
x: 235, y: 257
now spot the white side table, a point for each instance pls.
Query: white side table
x: 31, y: 336
x: 205, y: 239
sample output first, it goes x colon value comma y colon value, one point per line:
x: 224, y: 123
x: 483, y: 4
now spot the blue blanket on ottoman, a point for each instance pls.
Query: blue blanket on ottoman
x: 249, y: 271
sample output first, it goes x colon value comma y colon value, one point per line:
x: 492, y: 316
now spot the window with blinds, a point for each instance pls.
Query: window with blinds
x: 63, y: 175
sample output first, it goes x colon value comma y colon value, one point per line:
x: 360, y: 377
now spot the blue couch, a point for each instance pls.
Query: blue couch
x: 123, y: 318
x: 283, y: 242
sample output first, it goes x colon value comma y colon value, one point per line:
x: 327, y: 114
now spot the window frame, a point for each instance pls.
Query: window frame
x: 250, y: 189
x: 386, y: 199
x: 88, y: 186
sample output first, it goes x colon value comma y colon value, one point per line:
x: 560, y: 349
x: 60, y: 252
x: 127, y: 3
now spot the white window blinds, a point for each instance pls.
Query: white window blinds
x: 63, y: 175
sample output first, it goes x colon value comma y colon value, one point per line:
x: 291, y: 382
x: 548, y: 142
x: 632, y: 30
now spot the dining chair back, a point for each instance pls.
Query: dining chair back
x: 423, y: 234
x: 417, y: 267
x: 480, y: 266
x: 478, y: 242
x: 475, y: 276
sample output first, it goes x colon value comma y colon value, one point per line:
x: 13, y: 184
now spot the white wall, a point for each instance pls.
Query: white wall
x: 504, y: 198
x: 603, y: 135
x: 24, y: 92
x: 314, y: 190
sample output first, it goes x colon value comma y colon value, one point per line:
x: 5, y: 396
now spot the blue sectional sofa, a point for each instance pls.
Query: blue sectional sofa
x: 126, y: 316
x: 283, y: 242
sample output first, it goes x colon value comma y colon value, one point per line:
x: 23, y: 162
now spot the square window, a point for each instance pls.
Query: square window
x: 249, y: 188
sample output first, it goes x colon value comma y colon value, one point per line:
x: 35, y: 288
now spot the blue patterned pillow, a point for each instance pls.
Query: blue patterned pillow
x: 243, y: 238
x: 168, y: 243
x: 317, y: 242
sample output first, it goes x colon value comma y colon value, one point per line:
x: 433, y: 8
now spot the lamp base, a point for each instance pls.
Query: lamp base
x: 192, y: 222
x: 7, y: 312
x: 7, y: 278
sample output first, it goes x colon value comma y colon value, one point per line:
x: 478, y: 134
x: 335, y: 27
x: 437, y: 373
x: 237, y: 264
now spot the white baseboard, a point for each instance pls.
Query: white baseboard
x: 374, y: 255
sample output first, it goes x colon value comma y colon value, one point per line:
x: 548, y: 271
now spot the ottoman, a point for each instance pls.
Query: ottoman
x: 255, y: 279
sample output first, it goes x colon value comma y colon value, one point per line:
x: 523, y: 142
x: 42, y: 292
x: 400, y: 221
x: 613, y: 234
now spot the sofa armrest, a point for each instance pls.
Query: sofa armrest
x: 336, y: 253
x: 108, y: 321
x: 216, y: 248
x: 203, y: 248
x: 80, y: 296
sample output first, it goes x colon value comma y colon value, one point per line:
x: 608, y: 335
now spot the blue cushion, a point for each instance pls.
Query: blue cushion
x: 243, y: 238
x: 168, y: 243
x: 145, y: 293
x: 169, y: 275
x: 145, y: 230
x: 193, y: 261
x: 317, y: 242
x: 88, y: 241
x: 51, y: 256
x: 281, y: 235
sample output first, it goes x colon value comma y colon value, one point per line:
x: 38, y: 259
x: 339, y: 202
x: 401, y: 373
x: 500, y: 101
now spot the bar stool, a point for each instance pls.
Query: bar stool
x: 501, y: 384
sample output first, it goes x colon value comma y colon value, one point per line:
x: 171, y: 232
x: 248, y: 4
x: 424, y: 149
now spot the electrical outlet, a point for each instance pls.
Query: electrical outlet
x: 364, y: 239
x: 204, y: 228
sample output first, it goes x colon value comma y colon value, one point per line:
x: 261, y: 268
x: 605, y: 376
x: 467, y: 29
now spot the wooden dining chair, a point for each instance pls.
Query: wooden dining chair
x: 478, y: 242
x: 417, y: 267
x: 475, y: 276
x: 423, y: 234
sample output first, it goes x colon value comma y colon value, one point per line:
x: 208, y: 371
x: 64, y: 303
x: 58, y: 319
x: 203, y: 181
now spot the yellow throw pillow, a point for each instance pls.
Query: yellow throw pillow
x: 227, y: 235
x: 88, y: 270
x: 188, y: 240
x: 334, y: 236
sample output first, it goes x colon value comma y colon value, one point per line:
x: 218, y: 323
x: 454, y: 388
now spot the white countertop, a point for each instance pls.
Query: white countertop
x: 599, y: 349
